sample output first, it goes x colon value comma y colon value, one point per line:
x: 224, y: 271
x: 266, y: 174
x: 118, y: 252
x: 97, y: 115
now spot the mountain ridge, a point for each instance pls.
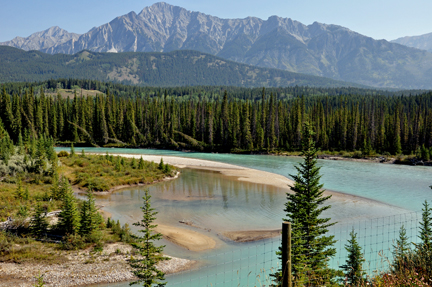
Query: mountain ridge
x: 42, y: 39
x: 318, y: 49
x: 422, y: 42
x: 176, y: 68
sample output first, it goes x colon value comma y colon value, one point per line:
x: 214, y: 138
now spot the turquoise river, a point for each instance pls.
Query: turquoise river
x: 386, y: 196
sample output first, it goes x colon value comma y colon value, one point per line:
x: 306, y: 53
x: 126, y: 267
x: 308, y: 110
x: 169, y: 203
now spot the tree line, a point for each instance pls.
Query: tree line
x: 383, y: 124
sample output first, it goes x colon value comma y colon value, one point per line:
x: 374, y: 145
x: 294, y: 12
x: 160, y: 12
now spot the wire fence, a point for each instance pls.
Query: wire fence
x: 251, y: 264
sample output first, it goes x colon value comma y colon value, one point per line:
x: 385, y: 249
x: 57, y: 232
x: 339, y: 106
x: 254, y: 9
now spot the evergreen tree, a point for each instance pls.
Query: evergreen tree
x: 304, y: 208
x: 425, y: 229
x: 38, y: 223
x: 72, y: 153
x: 133, y: 163
x: 161, y: 164
x: 400, y: 251
x: 89, y: 216
x: 145, y: 268
x: 353, y: 268
x: 69, y: 221
x: 141, y: 163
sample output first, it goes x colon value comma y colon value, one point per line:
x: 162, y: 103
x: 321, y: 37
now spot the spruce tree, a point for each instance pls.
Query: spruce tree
x: 133, y: 163
x: 72, y: 153
x: 145, y: 268
x: 141, y: 163
x: 38, y: 223
x: 304, y: 208
x: 400, y: 251
x: 89, y: 216
x: 161, y: 164
x: 425, y: 229
x: 353, y: 268
x: 69, y: 221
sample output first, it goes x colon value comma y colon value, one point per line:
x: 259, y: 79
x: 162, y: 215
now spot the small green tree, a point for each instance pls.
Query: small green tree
x: 167, y: 169
x: 69, y: 221
x: 400, y: 251
x: 72, y: 153
x: 426, y: 229
x: 38, y: 223
x: 141, y: 163
x: 353, y: 268
x: 89, y: 216
x: 145, y: 268
x: 133, y: 163
x: 161, y: 164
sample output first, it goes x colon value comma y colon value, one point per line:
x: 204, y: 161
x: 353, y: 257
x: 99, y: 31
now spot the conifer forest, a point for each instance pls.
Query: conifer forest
x: 218, y: 119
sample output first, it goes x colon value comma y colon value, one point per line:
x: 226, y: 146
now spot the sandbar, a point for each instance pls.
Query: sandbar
x: 189, y: 239
x: 251, y: 235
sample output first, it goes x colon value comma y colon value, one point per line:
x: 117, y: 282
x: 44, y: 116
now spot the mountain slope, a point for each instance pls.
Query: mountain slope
x: 177, y: 68
x: 423, y: 42
x: 318, y: 49
x: 42, y: 40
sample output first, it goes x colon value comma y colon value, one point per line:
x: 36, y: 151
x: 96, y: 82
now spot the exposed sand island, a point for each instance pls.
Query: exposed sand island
x: 189, y: 239
x: 251, y: 235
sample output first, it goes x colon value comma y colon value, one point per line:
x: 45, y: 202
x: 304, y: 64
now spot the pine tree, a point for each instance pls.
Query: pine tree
x: 89, y: 216
x: 72, y: 150
x: 353, y: 268
x: 145, y: 268
x: 38, y: 223
x: 400, y: 250
x: 141, y: 163
x: 304, y: 208
x: 133, y: 163
x: 426, y: 229
x: 69, y: 221
x: 161, y: 164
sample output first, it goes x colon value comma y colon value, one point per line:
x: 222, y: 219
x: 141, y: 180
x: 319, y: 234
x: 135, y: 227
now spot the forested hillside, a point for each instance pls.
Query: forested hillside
x: 178, y: 68
x: 212, y: 122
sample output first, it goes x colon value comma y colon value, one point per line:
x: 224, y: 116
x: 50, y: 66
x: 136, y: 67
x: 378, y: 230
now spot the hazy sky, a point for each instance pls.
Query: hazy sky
x: 380, y: 19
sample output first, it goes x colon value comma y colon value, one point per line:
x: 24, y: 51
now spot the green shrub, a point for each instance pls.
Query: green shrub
x: 73, y: 242
x: 63, y: 153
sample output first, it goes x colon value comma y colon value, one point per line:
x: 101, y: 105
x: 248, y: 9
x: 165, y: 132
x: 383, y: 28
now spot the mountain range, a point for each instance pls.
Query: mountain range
x: 318, y: 49
x: 176, y: 68
x: 423, y: 42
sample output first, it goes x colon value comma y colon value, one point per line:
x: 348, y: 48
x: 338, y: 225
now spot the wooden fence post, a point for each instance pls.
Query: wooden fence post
x: 286, y: 255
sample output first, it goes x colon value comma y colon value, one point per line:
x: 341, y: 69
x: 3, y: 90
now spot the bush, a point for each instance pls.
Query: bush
x: 73, y: 242
x: 63, y: 153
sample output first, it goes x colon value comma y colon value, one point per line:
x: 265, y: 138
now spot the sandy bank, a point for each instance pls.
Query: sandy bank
x: 186, y: 238
x: 242, y: 173
x: 84, y: 268
x: 251, y: 235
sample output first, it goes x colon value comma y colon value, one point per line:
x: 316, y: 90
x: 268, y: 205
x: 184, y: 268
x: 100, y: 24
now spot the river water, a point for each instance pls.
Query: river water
x: 215, y: 203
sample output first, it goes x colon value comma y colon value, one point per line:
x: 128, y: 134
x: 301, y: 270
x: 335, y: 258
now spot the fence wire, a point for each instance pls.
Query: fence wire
x: 250, y: 264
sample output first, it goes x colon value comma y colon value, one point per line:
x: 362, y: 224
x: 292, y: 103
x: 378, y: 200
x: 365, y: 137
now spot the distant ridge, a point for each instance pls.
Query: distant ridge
x: 49, y: 38
x: 423, y: 42
x: 177, y: 68
x: 318, y: 49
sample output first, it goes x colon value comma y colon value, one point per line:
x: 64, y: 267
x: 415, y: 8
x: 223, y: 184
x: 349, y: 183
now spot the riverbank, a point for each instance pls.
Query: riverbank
x: 84, y: 267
